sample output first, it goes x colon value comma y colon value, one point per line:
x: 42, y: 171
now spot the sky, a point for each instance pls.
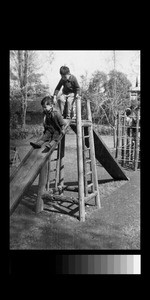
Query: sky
x: 82, y: 61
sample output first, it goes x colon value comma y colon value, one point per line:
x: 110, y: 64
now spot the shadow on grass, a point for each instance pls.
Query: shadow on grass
x: 71, y: 209
x: 30, y: 198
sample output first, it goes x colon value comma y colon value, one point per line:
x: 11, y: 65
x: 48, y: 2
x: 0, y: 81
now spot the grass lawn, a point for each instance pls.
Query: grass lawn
x: 116, y: 225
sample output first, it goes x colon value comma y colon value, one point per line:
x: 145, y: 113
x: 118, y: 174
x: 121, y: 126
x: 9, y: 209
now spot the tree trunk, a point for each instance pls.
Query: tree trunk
x: 22, y: 72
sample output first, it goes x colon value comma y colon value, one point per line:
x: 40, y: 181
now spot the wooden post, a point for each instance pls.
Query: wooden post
x: 136, y: 141
x: 139, y: 143
x: 114, y: 136
x: 80, y: 161
x: 93, y: 155
x: 41, y: 188
x: 57, y: 166
x: 48, y: 173
x: 130, y: 145
x: 61, y: 165
x: 84, y: 164
x: 118, y: 134
x: 123, y: 140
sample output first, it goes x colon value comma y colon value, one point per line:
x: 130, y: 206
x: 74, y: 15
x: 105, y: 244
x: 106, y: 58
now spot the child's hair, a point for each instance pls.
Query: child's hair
x: 47, y: 100
x: 64, y: 70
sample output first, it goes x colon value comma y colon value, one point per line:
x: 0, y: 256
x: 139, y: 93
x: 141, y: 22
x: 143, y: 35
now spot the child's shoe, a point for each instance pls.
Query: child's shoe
x: 36, y: 145
x: 48, y: 145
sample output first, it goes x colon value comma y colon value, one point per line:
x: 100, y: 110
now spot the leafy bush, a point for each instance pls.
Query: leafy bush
x: 18, y: 133
x: 36, y: 130
x: 104, y: 130
x: 13, y: 121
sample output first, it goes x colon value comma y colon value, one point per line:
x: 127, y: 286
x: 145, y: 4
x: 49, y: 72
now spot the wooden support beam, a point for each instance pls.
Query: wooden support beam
x: 53, y: 197
x: 118, y: 135
x: 41, y: 187
x: 48, y: 173
x: 80, y: 161
x: 84, y: 164
x: 92, y: 149
x: 136, y: 142
x: 61, y: 166
x: 123, y: 141
x: 57, y: 170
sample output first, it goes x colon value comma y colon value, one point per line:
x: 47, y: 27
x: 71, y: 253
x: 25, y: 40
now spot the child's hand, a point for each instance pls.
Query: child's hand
x: 54, y: 100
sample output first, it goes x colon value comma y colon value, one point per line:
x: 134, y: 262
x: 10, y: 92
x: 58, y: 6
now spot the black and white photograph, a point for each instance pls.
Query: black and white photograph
x: 74, y: 149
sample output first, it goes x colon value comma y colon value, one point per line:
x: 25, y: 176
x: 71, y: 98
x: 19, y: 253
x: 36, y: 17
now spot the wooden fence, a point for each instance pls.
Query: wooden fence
x: 128, y: 151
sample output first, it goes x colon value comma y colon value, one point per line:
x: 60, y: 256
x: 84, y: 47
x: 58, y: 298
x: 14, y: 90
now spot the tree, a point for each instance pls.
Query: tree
x: 118, y: 91
x: 96, y: 93
x: 84, y: 93
x: 23, y: 76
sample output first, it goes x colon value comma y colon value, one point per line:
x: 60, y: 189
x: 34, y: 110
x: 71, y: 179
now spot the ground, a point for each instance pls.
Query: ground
x: 116, y: 225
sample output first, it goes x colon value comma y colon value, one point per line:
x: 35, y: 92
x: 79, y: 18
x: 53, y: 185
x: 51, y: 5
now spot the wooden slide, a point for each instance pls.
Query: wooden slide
x: 104, y: 156
x: 29, y: 169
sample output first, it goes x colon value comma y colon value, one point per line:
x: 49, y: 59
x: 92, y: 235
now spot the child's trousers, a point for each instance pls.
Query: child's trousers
x: 67, y: 105
x: 48, y: 136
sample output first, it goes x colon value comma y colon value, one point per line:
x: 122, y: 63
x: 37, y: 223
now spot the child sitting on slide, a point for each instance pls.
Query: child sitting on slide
x: 53, y: 123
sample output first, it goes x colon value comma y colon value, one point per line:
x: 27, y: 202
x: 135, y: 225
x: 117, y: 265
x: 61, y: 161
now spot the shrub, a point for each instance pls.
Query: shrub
x: 36, y: 130
x: 104, y: 130
x: 18, y: 133
x: 13, y: 121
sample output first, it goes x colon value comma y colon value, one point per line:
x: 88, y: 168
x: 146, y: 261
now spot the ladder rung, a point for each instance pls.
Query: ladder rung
x: 86, y: 136
x: 88, y: 160
x: 86, y: 149
x: 52, y: 180
x: 90, y: 172
x: 89, y: 197
x: 55, y: 159
x: 89, y: 185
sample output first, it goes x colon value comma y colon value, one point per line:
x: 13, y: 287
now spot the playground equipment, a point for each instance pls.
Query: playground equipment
x: 39, y: 162
x: 128, y: 141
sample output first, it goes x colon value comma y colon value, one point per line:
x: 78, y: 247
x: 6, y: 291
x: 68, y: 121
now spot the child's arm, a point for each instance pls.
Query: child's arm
x: 60, y: 121
x: 58, y: 87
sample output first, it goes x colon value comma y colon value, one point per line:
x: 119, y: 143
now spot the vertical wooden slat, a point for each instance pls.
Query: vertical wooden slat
x: 48, y: 173
x: 80, y: 161
x: 57, y: 166
x: 41, y: 188
x: 118, y: 134
x: 92, y: 149
x: 136, y: 141
x: 61, y: 166
x: 123, y: 140
x: 130, y: 145
x: 84, y: 164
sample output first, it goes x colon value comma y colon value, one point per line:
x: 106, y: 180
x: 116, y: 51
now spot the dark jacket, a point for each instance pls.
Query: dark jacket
x: 53, y: 121
x: 69, y: 86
